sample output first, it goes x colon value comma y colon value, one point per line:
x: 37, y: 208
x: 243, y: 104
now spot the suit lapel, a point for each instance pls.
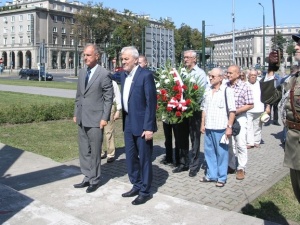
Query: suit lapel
x: 82, y: 80
x: 94, y: 77
x: 135, y: 78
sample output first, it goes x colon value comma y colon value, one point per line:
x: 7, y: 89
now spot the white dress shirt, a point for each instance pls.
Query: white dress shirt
x: 127, y: 85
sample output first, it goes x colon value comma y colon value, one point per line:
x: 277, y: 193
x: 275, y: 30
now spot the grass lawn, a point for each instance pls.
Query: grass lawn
x: 48, y: 84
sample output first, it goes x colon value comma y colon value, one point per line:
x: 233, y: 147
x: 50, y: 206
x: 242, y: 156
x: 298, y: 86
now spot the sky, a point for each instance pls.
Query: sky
x: 216, y: 13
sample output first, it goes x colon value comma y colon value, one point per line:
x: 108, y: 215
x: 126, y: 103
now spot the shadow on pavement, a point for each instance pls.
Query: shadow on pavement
x: 265, y: 208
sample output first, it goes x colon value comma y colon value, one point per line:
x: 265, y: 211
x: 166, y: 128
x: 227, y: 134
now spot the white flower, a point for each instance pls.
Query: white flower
x: 157, y: 85
x: 183, y: 71
x: 192, y: 80
x: 167, y: 81
x: 163, y: 76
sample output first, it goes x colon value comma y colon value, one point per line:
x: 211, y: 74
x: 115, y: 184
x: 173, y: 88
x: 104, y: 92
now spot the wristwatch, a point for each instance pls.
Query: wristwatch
x: 229, y: 126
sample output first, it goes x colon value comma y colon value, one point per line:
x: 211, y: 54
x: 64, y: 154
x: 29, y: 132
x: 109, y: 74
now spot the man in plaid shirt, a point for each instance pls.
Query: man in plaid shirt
x: 243, y: 102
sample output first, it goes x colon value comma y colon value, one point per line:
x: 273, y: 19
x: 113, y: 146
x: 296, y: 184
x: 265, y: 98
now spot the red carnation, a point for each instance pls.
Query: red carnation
x: 178, y: 96
x: 169, y: 109
x: 188, y: 101
x: 157, y: 97
x: 164, y: 98
x: 163, y: 91
x: 184, y: 87
x: 195, y: 87
x: 175, y: 88
x: 178, y: 114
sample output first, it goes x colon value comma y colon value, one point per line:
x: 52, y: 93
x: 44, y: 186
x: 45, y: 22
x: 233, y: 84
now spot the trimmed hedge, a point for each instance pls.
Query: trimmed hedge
x: 37, y: 112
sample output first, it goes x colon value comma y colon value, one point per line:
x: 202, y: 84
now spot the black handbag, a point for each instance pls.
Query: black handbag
x: 236, y: 127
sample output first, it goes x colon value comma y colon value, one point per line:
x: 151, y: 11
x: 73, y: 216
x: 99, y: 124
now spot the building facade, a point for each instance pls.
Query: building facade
x: 26, y: 24
x: 248, y: 46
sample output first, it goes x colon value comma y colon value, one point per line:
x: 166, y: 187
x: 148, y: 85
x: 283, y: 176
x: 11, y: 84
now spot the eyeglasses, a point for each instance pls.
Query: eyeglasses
x: 212, y: 76
x: 188, y: 57
x: 229, y: 72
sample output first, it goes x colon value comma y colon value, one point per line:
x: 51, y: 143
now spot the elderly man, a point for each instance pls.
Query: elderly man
x: 139, y: 123
x: 292, y: 106
x: 217, y: 127
x: 254, y: 125
x: 93, y: 103
x: 243, y: 102
x: 194, y: 122
x: 143, y: 62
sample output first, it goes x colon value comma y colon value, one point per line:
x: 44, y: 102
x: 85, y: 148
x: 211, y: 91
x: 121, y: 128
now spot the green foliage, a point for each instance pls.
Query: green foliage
x: 279, y: 41
x: 19, y: 108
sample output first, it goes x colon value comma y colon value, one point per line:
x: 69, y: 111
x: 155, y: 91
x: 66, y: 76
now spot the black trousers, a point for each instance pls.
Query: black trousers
x: 169, y: 130
x: 181, y: 133
x: 195, y: 135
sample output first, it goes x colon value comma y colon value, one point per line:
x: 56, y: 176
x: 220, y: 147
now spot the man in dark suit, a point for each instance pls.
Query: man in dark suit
x: 92, y: 111
x: 139, y: 123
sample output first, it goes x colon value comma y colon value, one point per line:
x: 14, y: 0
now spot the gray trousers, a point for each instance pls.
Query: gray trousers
x: 90, y: 144
x: 295, y: 179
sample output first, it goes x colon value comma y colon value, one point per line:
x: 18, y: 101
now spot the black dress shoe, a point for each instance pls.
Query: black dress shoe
x: 141, y: 199
x: 230, y: 170
x: 130, y: 193
x: 276, y: 123
x: 92, y: 188
x: 82, y: 185
x: 103, y: 156
x: 110, y: 160
x: 180, y: 169
x: 193, y: 173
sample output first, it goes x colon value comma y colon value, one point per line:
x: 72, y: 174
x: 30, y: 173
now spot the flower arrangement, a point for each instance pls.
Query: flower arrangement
x: 178, y: 95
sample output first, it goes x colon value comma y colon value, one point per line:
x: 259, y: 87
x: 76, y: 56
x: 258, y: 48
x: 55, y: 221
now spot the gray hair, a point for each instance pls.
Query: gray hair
x: 132, y: 49
x: 194, y: 54
x: 219, y: 71
x: 95, y: 47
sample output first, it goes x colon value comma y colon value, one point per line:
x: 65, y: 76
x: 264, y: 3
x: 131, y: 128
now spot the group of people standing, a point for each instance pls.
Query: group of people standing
x: 223, y: 102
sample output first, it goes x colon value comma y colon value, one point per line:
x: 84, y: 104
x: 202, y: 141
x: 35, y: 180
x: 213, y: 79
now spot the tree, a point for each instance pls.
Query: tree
x: 290, y: 50
x: 279, y: 42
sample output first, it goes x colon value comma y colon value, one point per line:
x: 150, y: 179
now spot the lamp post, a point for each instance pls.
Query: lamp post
x: 233, y: 33
x: 264, y: 37
x: 203, y: 45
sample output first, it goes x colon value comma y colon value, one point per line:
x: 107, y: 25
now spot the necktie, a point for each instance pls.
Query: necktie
x: 88, y: 73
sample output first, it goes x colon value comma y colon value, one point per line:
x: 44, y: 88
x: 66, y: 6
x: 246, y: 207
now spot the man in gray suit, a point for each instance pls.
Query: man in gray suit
x: 93, y: 103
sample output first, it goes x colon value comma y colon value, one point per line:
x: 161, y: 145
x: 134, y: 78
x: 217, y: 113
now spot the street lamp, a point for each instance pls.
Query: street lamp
x: 264, y: 37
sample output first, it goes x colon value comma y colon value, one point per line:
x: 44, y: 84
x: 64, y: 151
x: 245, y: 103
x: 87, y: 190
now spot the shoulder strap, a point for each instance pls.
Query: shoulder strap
x: 295, y: 114
x: 226, y: 102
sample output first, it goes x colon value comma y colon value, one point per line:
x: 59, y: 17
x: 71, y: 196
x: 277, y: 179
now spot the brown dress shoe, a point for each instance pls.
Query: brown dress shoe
x: 240, y: 174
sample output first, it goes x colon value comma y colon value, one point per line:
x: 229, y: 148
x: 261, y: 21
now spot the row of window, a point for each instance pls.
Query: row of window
x: 63, y: 40
x: 13, y: 18
x: 62, y: 8
x: 12, y: 29
x: 63, y: 30
x: 63, y: 19
x: 13, y: 39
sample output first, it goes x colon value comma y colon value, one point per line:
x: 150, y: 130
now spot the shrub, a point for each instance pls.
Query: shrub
x: 36, y: 112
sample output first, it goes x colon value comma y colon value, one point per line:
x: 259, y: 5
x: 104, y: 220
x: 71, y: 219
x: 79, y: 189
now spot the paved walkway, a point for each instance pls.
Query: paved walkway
x: 37, y: 190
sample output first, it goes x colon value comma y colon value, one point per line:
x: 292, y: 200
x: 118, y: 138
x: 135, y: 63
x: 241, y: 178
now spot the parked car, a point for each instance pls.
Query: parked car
x: 30, y: 74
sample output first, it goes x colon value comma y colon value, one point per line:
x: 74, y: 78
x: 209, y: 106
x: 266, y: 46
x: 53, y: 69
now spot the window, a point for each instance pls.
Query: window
x: 29, y: 39
x: 20, y: 28
x: 63, y: 19
x: 71, y: 9
x: 63, y: 41
x: 72, y: 41
x: 21, y: 39
x: 20, y: 17
x: 12, y: 40
x: 54, y: 6
x: 12, y: 29
x: 5, y: 41
x: 29, y: 16
x: 12, y: 18
x: 41, y: 5
x: 5, y: 19
x: 63, y: 8
x: 28, y: 28
x: 4, y: 30
x: 63, y: 30
x: 55, y: 40
x: 72, y: 31
x: 72, y: 20
x: 54, y: 29
x: 55, y: 18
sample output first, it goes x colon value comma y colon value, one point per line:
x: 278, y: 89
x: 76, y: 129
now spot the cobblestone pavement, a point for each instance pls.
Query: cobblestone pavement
x: 264, y: 169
